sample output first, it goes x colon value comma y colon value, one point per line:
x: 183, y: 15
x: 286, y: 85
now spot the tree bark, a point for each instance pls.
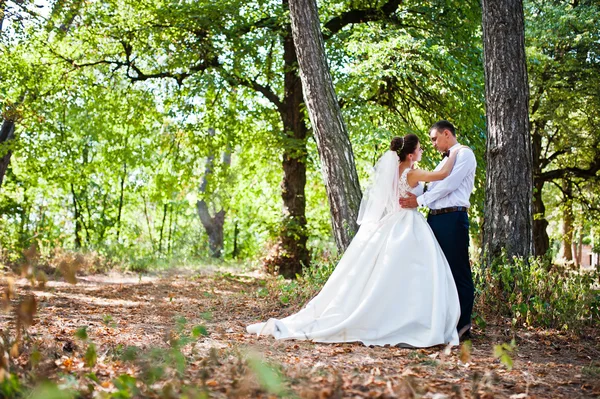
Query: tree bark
x: 212, y: 224
x: 77, y: 217
x: 121, y: 195
x: 148, y: 223
x: 333, y: 143
x: 290, y: 253
x: 541, y: 240
x: 509, y: 180
x: 2, y: 13
x: 579, y: 252
x: 7, y: 134
x: 162, y: 228
x: 236, y: 232
x: 567, y: 227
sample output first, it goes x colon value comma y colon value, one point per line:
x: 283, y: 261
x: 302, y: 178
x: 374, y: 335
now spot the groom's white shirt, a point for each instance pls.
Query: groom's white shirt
x: 454, y: 190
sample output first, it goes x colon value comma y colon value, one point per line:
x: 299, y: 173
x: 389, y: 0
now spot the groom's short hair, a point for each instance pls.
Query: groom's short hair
x: 443, y: 125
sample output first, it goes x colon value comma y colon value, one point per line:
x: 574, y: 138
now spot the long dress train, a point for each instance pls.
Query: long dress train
x: 393, y: 285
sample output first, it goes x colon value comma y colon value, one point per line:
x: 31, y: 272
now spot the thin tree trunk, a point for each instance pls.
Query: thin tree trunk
x: 579, y: 252
x: 333, y: 143
x: 77, y: 216
x: 170, y: 229
x: 2, y: 13
x: 7, y: 134
x: 149, y: 224
x: 541, y: 240
x: 162, y: 227
x: 509, y: 180
x: 567, y: 244
x: 236, y: 232
x: 101, y: 229
x: 121, y: 195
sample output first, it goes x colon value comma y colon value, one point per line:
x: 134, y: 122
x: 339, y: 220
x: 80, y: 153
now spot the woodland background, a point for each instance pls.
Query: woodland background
x: 144, y: 136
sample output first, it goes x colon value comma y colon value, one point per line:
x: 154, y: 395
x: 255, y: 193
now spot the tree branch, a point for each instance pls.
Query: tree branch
x: 265, y: 91
x: 545, y: 162
x: 584, y: 173
x: 336, y: 24
x: 254, y: 85
x: 134, y: 73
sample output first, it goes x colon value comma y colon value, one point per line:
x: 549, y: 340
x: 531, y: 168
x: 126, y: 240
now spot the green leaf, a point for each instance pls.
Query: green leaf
x: 269, y: 379
x: 130, y: 353
x: 90, y: 355
x: 199, y: 331
x: 81, y: 333
x: 127, y: 386
x: 93, y: 377
x: 206, y: 316
x: 503, y: 353
x: 49, y: 390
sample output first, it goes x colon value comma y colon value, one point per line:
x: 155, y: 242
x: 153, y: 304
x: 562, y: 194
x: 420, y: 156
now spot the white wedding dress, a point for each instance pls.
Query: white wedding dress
x: 393, y: 286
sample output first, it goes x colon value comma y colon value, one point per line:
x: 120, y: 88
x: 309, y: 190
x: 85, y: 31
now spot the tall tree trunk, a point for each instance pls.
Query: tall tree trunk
x: 170, y: 229
x: 509, y: 180
x: 77, y: 217
x: 567, y: 244
x: 541, y: 240
x: 121, y: 194
x: 162, y: 228
x: 148, y: 223
x: 236, y: 233
x: 290, y: 252
x: 579, y: 246
x: 2, y: 13
x: 333, y: 143
x: 7, y: 134
x: 212, y: 224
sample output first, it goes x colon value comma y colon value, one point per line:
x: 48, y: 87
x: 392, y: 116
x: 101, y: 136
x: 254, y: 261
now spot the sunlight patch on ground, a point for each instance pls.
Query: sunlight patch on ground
x: 97, y: 301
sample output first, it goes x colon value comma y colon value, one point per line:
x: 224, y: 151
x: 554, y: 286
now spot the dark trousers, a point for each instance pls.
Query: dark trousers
x: 452, y: 232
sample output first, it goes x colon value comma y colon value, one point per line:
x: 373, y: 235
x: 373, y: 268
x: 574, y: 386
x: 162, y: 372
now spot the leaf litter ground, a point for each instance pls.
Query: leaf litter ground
x: 122, y: 311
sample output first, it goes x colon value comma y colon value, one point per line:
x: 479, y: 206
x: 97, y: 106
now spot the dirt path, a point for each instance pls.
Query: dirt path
x: 123, y: 311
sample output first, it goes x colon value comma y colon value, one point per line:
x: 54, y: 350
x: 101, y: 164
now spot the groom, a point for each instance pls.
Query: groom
x: 448, y: 201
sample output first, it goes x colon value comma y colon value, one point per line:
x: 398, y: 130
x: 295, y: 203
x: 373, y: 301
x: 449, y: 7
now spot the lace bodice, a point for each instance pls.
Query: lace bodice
x: 404, y: 188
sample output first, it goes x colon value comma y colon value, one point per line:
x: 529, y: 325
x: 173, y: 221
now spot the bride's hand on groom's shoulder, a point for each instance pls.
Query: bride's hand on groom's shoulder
x: 457, y: 149
x: 410, y: 201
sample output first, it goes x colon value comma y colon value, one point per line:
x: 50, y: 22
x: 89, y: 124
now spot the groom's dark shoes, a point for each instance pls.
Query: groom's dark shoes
x: 465, y: 334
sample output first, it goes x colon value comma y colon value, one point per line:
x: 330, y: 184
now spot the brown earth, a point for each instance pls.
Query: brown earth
x: 126, y: 310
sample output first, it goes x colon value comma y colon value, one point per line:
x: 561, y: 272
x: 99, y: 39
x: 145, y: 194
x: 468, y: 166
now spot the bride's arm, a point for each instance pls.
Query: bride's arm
x: 417, y: 175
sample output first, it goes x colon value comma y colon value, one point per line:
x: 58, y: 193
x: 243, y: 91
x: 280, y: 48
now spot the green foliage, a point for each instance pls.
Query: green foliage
x: 126, y: 387
x: 269, y: 379
x: 292, y: 292
x: 199, y: 331
x: 81, y: 333
x: 10, y: 386
x: 91, y: 356
x: 49, y: 390
x: 503, y: 352
x: 536, y: 292
x: 564, y: 74
x: 110, y: 154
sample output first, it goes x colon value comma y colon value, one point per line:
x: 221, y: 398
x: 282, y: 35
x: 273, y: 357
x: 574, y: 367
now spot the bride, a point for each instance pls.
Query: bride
x: 393, y: 284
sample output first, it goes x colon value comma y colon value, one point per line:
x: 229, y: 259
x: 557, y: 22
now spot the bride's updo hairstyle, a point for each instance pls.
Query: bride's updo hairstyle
x: 404, y: 145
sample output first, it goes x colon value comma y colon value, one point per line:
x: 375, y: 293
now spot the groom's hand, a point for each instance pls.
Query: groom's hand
x: 409, y: 202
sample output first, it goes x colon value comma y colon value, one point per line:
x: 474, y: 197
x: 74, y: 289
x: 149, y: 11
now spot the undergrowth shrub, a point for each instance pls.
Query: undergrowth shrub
x: 539, y: 293
x: 532, y: 292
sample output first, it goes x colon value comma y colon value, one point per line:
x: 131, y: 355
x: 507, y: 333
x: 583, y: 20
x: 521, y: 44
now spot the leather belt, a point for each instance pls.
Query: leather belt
x: 448, y: 210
